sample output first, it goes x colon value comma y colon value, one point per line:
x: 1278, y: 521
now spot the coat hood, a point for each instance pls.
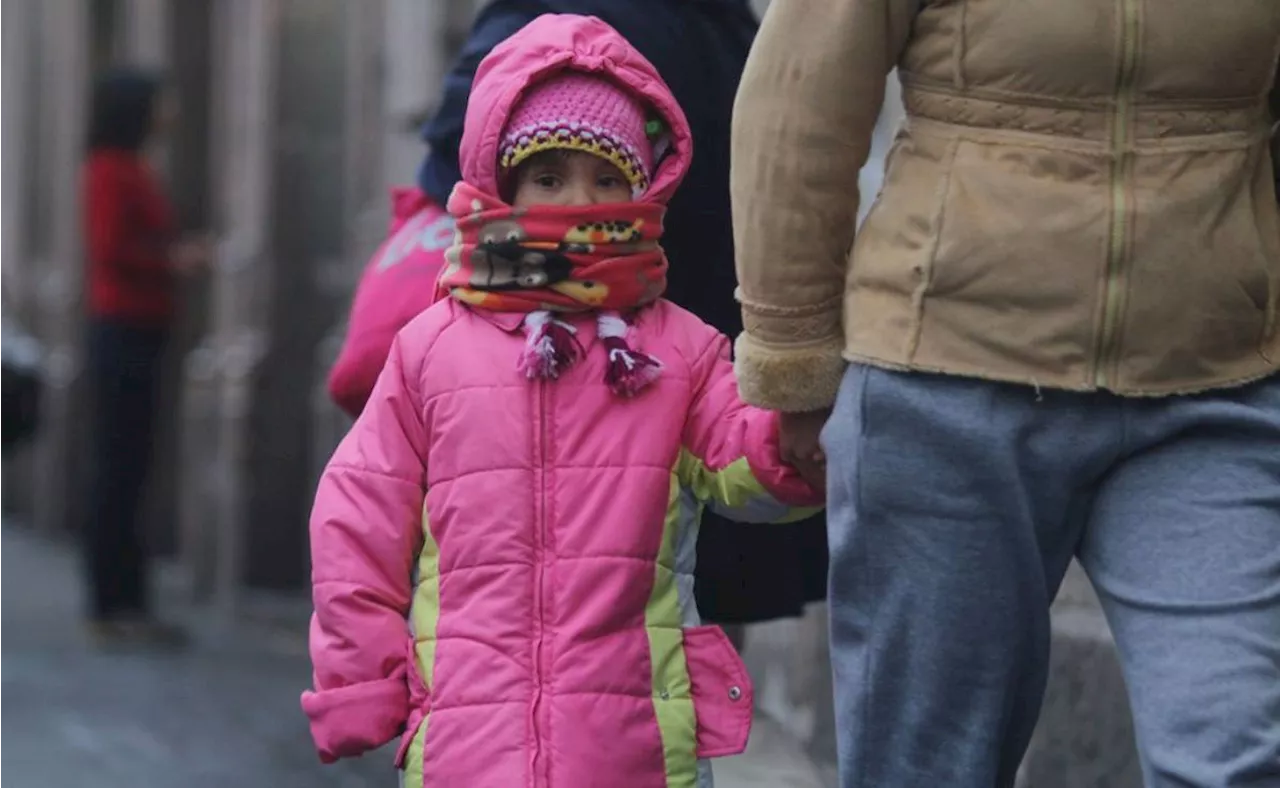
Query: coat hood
x: 548, y: 45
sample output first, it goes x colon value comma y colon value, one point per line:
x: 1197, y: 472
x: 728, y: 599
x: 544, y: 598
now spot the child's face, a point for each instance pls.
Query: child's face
x: 568, y: 177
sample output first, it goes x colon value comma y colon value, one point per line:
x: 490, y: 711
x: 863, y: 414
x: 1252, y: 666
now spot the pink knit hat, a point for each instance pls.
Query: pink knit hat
x: 576, y: 111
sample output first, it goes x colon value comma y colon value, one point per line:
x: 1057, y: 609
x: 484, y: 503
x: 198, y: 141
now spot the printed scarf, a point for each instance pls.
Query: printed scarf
x: 546, y: 260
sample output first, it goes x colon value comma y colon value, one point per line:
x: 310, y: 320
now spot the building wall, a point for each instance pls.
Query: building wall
x: 41, y: 263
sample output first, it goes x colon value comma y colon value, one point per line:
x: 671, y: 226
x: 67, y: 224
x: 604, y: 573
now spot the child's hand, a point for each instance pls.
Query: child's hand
x: 799, y: 446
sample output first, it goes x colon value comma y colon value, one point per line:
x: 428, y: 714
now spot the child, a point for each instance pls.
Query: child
x: 524, y: 484
x: 699, y: 50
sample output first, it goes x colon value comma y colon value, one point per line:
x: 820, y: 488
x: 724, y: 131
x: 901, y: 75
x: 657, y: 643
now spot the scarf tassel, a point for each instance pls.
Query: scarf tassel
x: 552, y: 346
x: 628, y: 371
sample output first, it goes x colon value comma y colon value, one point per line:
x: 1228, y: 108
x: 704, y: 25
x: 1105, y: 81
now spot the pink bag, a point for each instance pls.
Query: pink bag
x: 398, y: 282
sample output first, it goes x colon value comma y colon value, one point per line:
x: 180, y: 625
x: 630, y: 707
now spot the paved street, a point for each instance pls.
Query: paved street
x: 224, y: 714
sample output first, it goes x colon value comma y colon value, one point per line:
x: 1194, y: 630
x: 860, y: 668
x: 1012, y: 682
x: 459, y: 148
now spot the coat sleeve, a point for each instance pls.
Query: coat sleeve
x: 365, y: 535
x: 730, y: 458
x: 803, y: 123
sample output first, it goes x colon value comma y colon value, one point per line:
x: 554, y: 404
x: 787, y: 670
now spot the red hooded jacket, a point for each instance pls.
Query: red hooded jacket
x: 128, y: 227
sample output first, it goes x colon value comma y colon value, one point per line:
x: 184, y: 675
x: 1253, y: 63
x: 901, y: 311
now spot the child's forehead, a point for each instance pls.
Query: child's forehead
x: 566, y: 162
x: 562, y: 156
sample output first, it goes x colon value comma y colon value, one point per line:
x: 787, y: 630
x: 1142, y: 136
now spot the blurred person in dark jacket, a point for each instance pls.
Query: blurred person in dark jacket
x: 133, y: 254
x: 699, y: 47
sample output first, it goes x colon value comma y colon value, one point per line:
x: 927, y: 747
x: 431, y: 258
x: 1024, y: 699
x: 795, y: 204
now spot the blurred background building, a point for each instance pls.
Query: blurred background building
x: 296, y: 117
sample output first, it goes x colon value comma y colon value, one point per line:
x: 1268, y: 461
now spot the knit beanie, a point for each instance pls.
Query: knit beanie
x: 576, y: 111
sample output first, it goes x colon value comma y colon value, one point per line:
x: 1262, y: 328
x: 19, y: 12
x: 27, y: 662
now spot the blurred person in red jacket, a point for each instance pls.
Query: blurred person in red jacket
x: 133, y: 255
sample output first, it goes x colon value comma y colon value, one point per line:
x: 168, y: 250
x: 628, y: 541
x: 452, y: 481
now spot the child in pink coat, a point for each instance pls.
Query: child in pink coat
x: 503, y: 546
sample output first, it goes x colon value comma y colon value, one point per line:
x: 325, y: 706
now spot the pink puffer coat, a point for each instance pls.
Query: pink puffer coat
x: 503, y: 568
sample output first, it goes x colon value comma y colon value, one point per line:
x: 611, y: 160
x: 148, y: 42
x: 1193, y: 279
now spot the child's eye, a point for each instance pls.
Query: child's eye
x: 609, y: 182
x: 547, y: 181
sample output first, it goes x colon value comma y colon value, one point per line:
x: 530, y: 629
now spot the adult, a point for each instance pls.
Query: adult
x: 745, y: 573
x: 133, y: 254
x: 1055, y: 335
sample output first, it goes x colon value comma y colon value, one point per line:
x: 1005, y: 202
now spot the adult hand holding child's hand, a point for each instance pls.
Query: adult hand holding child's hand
x: 799, y: 446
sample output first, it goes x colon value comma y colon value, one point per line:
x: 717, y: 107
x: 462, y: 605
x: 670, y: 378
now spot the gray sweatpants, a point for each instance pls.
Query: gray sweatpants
x: 956, y: 505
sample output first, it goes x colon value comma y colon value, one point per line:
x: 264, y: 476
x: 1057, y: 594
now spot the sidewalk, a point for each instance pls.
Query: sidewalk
x: 223, y: 714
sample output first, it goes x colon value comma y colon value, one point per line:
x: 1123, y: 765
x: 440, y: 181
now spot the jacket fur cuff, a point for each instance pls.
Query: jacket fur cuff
x: 790, y: 378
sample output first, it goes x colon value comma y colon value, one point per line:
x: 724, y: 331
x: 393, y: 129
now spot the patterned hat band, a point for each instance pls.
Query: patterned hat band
x: 521, y: 144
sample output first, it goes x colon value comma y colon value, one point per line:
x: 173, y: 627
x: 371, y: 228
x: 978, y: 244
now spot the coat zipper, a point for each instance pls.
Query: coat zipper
x: 1121, y: 155
x: 540, y: 549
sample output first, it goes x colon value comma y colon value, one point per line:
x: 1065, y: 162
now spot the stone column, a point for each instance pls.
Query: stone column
x: 307, y: 235
x: 18, y: 105
x: 416, y: 57
x: 14, y: 54
x: 189, y: 483
x: 144, y: 32
x: 62, y: 60
x: 199, y: 470
x: 371, y: 66
x: 243, y: 282
x: 220, y: 371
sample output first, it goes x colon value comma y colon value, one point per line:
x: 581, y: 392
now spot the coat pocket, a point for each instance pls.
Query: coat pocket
x: 721, y: 690
x: 419, y: 705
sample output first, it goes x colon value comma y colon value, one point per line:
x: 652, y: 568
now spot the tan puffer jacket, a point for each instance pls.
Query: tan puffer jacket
x: 1082, y: 196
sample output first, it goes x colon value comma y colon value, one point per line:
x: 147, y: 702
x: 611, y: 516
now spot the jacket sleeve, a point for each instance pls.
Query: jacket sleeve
x: 730, y: 458
x: 365, y: 535
x: 113, y: 236
x: 802, y: 127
